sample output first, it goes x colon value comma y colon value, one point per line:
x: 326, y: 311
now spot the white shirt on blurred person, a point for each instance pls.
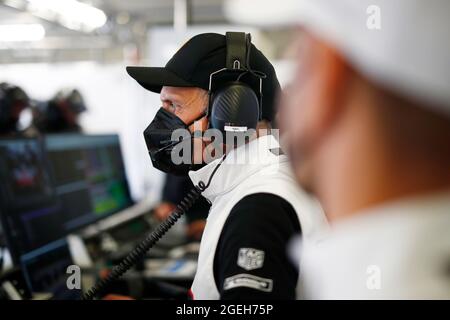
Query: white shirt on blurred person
x: 399, y: 250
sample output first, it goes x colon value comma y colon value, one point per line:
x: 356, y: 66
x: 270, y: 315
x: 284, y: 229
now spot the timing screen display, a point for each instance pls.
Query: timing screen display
x: 89, y: 175
x: 28, y: 203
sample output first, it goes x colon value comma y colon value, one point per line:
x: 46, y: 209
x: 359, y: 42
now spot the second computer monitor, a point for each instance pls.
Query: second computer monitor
x: 29, y: 208
x: 89, y: 175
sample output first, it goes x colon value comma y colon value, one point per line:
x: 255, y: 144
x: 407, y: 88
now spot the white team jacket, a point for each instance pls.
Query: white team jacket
x: 398, y: 250
x: 249, y: 169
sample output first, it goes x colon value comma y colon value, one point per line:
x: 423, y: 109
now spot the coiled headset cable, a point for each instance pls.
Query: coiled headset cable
x: 140, y: 250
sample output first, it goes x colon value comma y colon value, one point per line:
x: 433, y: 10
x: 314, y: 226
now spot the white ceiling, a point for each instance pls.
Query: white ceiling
x: 107, y: 43
x: 112, y: 37
x: 152, y: 11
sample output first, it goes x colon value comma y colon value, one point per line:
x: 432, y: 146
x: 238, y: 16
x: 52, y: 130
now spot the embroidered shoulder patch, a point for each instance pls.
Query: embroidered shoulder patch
x: 250, y: 259
x: 248, y: 281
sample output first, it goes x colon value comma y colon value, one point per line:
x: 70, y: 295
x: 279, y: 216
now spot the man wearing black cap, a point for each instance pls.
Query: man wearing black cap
x: 256, y: 206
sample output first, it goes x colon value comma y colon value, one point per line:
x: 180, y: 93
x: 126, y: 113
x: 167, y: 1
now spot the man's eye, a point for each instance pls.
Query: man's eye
x: 175, y: 106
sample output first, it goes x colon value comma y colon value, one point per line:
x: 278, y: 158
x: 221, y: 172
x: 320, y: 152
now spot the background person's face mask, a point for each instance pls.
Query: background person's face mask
x: 158, y: 137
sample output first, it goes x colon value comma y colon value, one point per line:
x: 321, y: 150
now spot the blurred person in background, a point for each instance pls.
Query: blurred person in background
x: 61, y: 114
x: 13, y: 101
x: 174, y: 190
x: 366, y: 122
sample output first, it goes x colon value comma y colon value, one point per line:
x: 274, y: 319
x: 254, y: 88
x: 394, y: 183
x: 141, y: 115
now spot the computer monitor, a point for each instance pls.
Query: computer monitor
x: 46, y: 271
x: 89, y: 176
x: 29, y: 208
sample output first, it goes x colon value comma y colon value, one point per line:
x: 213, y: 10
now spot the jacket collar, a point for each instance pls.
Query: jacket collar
x: 239, y: 164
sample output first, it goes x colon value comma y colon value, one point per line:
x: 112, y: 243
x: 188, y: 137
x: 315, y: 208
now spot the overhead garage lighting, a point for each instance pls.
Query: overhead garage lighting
x: 21, y: 32
x: 72, y: 14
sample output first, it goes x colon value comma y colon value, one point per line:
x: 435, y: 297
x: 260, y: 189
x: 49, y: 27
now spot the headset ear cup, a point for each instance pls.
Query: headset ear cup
x: 235, y: 107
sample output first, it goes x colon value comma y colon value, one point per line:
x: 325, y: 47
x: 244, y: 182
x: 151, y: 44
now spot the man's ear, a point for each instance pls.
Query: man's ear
x: 331, y: 78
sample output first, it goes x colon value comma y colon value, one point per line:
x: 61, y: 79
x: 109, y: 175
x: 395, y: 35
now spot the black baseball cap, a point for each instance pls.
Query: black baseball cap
x: 202, y: 55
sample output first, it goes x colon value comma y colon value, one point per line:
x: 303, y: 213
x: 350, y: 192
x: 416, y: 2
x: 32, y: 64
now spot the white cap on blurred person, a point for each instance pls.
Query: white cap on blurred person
x: 402, y: 45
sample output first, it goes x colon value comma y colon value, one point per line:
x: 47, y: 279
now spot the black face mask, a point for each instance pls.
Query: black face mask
x: 158, y: 137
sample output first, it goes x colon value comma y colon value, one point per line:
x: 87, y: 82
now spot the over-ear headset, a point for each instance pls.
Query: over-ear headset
x: 234, y: 106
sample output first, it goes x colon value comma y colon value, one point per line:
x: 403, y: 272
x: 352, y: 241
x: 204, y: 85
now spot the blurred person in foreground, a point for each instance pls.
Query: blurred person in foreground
x: 61, y: 114
x: 366, y: 123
